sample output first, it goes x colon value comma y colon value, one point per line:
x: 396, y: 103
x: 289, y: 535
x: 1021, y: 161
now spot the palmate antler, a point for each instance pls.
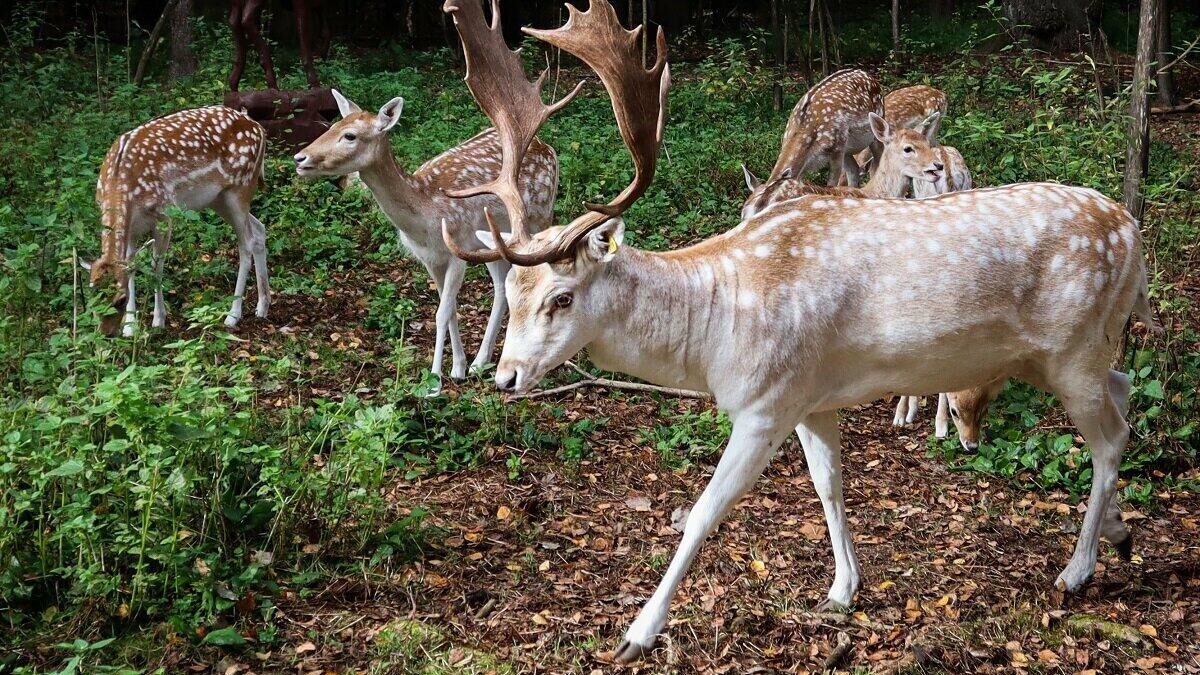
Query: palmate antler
x: 639, y: 100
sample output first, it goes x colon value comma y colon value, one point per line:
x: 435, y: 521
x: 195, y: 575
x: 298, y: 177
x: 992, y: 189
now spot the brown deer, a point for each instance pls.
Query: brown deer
x: 906, y: 158
x: 829, y: 125
x: 194, y: 159
x: 917, y: 107
x: 813, y: 305
x: 419, y: 205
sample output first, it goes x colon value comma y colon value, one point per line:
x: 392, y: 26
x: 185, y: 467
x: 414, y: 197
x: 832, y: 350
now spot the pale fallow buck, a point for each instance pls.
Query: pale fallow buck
x: 818, y: 304
x: 193, y: 159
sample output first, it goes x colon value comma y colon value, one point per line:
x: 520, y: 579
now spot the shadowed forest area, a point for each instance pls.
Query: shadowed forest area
x: 297, y: 494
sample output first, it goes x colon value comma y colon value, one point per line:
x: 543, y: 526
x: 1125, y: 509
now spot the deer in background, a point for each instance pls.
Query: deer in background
x: 918, y: 107
x: 193, y: 159
x: 418, y: 204
x: 969, y: 407
x: 815, y: 305
x: 905, y: 158
x: 829, y: 125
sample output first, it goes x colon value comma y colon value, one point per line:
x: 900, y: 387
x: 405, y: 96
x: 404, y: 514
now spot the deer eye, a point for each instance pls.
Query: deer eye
x: 349, y: 136
x: 908, y: 148
x: 954, y: 413
x: 563, y: 300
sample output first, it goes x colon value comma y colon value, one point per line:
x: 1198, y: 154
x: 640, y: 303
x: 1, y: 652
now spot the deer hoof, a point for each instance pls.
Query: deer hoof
x: 1125, y: 548
x: 231, y: 321
x: 630, y: 652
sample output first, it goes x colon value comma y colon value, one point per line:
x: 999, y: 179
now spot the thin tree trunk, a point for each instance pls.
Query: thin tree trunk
x: 183, y: 59
x: 778, y: 49
x: 896, y: 26
x: 1137, y: 152
x: 1165, y: 77
x: 155, y: 34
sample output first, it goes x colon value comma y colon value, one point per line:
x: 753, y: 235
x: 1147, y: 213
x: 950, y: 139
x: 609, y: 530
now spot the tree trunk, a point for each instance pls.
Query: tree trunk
x: 1137, y: 152
x: 896, y: 26
x: 152, y: 42
x: 1056, y: 25
x: 777, y: 90
x: 1165, y: 78
x: 183, y: 59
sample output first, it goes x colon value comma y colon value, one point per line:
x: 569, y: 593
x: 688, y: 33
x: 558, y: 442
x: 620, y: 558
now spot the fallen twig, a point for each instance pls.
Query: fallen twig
x: 1182, y: 107
x: 839, y: 653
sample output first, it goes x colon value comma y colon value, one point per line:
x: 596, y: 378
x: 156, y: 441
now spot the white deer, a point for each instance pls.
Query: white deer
x: 194, y: 159
x: 418, y: 203
x: 814, y: 305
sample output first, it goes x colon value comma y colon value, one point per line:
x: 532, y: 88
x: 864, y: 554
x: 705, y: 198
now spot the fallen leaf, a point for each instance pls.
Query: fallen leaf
x: 812, y: 531
x: 306, y: 648
x: 639, y: 504
x: 886, y: 584
x: 503, y: 513
x: 759, y: 568
x: 1147, y: 629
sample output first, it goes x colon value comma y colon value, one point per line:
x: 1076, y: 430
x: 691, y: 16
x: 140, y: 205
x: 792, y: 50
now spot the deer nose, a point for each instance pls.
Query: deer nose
x: 301, y: 158
x: 938, y: 166
x: 506, y: 383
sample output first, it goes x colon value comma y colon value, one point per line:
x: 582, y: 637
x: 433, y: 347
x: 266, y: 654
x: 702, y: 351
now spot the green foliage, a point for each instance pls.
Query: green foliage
x: 162, y: 478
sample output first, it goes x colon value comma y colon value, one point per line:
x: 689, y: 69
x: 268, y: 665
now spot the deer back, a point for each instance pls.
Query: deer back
x: 825, y: 116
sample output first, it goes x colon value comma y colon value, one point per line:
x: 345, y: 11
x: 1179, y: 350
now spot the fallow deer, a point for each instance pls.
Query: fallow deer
x: 905, y: 158
x: 195, y: 159
x: 417, y: 204
x: 829, y: 125
x: 917, y: 107
x: 815, y: 305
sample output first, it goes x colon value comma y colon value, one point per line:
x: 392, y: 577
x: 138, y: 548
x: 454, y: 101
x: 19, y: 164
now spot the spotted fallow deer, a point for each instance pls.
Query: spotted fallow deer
x: 906, y: 158
x: 829, y: 125
x: 418, y: 203
x: 194, y: 159
x: 968, y: 407
x: 813, y: 306
x: 918, y: 107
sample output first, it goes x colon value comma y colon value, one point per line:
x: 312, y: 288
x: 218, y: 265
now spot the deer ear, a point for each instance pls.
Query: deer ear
x: 389, y: 114
x: 786, y: 174
x: 345, y: 106
x: 929, y: 126
x: 880, y: 127
x: 603, y: 242
x: 752, y: 181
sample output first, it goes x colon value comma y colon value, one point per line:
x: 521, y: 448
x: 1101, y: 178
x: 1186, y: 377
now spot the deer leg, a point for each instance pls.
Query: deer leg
x: 258, y: 248
x: 850, y: 166
x: 250, y: 26
x: 941, y: 423
x: 753, y: 441
x: 303, y: 17
x: 906, y: 411
x: 130, y: 319
x: 1096, y: 412
x: 234, y: 212
x: 454, y: 281
x: 239, y: 44
x: 822, y: 443
x: 162, y: 243
x: 498, y: 271
x: 836, y: 165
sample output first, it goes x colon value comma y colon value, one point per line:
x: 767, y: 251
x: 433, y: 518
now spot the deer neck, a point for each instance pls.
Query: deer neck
x: 400, y: 196
x: 640, y: 290
x: 887, y: 181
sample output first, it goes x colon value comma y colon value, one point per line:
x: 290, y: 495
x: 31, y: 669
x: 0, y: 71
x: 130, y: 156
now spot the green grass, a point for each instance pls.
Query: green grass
x: 146, y: 485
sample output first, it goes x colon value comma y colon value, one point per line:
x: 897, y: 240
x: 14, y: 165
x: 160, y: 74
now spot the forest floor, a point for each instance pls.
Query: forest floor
x: 543, y: 573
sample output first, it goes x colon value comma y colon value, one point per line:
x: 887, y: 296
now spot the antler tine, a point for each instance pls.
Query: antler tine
x: 513, y: 103
x: 639, y: 101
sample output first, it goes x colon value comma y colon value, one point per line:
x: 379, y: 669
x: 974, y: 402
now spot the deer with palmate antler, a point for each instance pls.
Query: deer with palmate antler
x: 418, y: 205
x: 194, y: 159
x: 811, y: 307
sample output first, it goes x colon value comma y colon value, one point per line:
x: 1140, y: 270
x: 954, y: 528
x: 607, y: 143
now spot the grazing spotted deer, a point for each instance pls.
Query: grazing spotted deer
x: 417, y: 204
x: 905, y: 159
x: 817, y: 304
x: 829, y: 125
x: 194, y: 159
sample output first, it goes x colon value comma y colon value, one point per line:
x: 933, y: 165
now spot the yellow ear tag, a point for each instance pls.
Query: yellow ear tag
x: 612, y: 245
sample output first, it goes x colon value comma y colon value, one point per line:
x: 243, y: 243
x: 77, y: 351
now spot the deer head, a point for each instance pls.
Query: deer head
x: 907, y: 153
x: 352, y: 143
x: 968, y: 408
x: 551, y: 310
